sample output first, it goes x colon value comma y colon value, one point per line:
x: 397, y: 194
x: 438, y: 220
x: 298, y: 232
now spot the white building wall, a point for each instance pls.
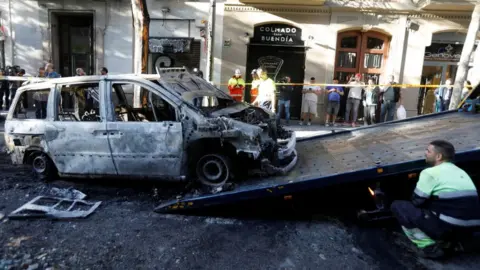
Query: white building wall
x: 173, y: 24
x: 29, y: 41
x: 118, y: 38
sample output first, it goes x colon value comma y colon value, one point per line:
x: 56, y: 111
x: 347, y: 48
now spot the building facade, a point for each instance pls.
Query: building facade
x: 91, y: 34
x: 69, y: 33
x: 338, y: 38
x: 419, y: 42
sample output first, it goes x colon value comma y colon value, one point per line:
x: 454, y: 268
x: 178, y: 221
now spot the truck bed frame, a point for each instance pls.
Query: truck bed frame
x: 364, y: 154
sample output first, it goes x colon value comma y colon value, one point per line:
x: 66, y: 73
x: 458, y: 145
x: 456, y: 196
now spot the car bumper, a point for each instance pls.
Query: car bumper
x: 287, y: 147
x: 285, y: 168
x: 286, y: 157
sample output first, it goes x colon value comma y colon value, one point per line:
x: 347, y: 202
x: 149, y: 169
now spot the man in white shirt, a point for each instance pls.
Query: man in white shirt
x: 309, y: 103
x: 354, y: 98
x: 266, y: 91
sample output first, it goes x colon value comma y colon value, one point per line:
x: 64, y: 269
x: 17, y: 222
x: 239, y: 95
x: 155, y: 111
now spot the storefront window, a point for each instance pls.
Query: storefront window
x: 374, y: 43
x: 349, y: 42
x: 347, y: 59
x: 373, y: 60
x: 361, y: 52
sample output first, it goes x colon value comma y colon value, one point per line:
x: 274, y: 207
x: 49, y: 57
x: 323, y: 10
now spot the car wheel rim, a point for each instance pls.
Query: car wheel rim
x: 39, y: 164
x: 213, y: 170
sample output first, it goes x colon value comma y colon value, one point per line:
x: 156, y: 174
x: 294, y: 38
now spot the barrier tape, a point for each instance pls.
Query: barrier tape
x: 31, y: 78
x: 349, y: 85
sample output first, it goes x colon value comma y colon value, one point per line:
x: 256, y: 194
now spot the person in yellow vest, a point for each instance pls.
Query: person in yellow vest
x: 255, y: 84
x: 236, y: 86
x: 266, y: 91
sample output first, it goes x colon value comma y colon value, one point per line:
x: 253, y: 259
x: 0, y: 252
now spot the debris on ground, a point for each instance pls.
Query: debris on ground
x: 68, y: 193
x: 15, y: 242
x: 56, y: 208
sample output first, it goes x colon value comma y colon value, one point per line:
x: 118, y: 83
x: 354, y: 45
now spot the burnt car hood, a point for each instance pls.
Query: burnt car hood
x: 239, y: 107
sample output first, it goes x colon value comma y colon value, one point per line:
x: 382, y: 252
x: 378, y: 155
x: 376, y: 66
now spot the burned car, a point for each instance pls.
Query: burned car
x: 172, y: 125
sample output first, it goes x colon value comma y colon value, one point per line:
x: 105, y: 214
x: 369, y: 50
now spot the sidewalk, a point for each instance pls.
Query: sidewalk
x: 305, y: 131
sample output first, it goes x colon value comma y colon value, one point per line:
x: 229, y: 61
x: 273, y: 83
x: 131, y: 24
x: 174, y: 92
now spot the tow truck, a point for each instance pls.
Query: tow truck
x: 386, y: 154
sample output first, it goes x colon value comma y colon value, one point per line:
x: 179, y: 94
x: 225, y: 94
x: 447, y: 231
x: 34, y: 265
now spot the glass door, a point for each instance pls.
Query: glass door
x: 76, y: 43
x: 431, y: 75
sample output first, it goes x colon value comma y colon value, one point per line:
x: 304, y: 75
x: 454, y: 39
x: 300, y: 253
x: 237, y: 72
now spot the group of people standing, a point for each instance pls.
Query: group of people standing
x: 262, y: 93
x: 443, y: 94
x: 379, y: 103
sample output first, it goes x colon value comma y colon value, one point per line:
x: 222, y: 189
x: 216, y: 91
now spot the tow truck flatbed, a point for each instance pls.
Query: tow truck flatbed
x: 353, y: 156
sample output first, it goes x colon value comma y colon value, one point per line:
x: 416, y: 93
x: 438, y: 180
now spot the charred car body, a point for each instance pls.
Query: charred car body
x: 180, y: 127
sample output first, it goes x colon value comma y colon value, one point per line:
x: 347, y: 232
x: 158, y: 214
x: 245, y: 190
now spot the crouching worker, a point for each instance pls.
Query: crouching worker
x: 444, y: 204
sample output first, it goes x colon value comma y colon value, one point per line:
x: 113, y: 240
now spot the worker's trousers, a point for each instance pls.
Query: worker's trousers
x: 421, y: 226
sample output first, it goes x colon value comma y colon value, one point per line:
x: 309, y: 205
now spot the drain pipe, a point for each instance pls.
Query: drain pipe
x: 12, y: 34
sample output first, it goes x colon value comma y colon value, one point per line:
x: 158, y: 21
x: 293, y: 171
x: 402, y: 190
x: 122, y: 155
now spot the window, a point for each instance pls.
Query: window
x: 360, y: 52
x: 153, y: 108
x: 79, y: 102
x: 32, y: 105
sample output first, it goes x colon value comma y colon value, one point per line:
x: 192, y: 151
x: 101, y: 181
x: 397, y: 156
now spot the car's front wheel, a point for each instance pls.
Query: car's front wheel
x: 213, y: 170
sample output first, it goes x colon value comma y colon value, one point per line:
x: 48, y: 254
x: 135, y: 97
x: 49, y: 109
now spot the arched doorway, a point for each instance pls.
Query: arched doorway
x: 360, y: 52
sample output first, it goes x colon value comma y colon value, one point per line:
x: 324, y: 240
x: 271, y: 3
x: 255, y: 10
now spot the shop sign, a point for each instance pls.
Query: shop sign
x: 271, y: 64
x: 169, y: 45
x: 443, y: 52
x: 278, y: 34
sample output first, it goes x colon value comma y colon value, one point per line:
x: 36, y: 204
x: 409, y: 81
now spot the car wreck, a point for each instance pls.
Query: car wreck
x: 180, y: 127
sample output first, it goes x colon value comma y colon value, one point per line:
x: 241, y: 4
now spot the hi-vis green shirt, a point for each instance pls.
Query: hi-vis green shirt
x: 450, y: 193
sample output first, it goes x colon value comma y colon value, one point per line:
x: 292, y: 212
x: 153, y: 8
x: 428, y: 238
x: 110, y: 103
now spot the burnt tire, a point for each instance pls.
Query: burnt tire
x: 213, y: 170
x: 43, y: 167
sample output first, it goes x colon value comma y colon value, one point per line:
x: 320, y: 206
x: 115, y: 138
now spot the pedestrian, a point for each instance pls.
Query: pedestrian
x: 333, y: 104
x: 13, y: 85
x: 370, y: 100
x: 442, y: 96
x: 236, y: 86
x: 4, y: 91
x: 255, y: 84
x: 197, y: 72
x: 104, y: 71
x: 266, y: 91
x: 467, y: 87
x: 50, y: 71
x: 80, y: 72
x: 284, y: 97
x: 353, y: 100
x: 310, y: 99
x: 444, y: 204
x: 391, y: 96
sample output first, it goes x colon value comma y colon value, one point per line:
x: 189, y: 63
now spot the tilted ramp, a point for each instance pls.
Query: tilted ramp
x: 354, y: 156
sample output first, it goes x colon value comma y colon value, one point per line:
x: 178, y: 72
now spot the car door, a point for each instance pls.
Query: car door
x: 146, y: 141
x: 77, y: 136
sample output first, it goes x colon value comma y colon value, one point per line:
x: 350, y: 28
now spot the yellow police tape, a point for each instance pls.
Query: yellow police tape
x: 31, y: 78
x: 349, y: 85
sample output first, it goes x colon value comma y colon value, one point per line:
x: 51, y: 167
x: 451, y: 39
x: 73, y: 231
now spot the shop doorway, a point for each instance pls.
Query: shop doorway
x: 279, y: 62
x: 279, y: 49
x: 73, y: 42
x: 434, y: 73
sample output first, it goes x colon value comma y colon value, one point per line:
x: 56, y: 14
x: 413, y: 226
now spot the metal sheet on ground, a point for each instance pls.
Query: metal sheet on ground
x: 383, y: 145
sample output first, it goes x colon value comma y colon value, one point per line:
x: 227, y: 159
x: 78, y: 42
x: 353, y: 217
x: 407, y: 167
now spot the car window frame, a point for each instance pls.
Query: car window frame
x: 58, y: 91
x: 31, y: 88
x: 111, y: 110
